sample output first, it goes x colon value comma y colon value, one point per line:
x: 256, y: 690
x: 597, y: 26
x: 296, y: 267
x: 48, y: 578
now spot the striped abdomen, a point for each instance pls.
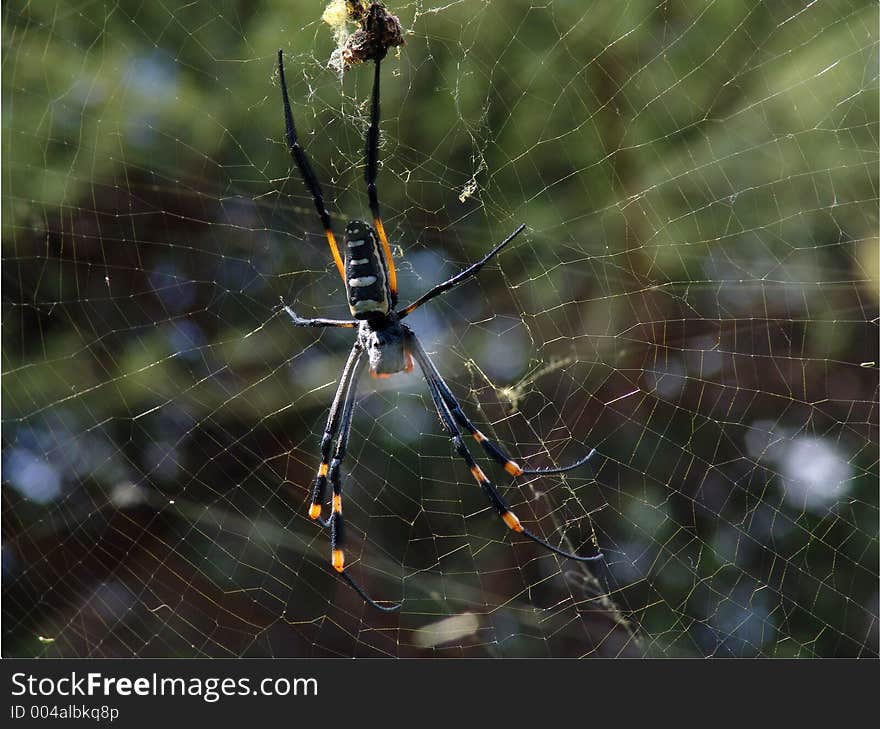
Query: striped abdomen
x: 366, y: 277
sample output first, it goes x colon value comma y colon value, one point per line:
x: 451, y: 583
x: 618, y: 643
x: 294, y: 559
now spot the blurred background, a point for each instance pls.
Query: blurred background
x: 695, y: 296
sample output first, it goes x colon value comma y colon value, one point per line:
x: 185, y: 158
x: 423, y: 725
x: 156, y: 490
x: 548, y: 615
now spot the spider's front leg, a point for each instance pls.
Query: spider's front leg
x: 493, y: 450
x: 339, y: 427
x: 337, y: 521
x: 449, y: 423
x: 344, y: 393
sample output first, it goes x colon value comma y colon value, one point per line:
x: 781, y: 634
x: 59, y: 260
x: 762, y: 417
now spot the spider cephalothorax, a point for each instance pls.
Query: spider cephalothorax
x: 367, y: 270
x: 385, y: 340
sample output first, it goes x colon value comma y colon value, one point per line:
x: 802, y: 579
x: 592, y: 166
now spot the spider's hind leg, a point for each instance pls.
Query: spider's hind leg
x: 298, y: 155
x: 371, y: 171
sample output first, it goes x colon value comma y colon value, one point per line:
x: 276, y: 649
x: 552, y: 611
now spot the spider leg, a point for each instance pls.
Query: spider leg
x: 491, y: 448
x: 471, y: 270
x: 308, y: 174
x: 301, y: 322
x: 497, y: 501
x: 344, y: 393
x: 336, y: 521
x: 370, y: 174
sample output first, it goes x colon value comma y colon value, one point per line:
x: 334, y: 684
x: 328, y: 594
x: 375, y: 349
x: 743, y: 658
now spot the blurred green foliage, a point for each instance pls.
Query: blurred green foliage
x: 699, y: 181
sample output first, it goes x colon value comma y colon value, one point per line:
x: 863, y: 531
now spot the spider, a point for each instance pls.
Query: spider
x: 367, y: 270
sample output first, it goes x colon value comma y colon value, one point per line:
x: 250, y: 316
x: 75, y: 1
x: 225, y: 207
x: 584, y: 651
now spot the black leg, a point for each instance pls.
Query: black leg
x: 370, y: 174
x: 337, y: 523
x: 344, y: 393
x: 471, y: 270
x: 497, y: 501
x: 300, y: 322
x: 305, y: 169
x: 491, y: 448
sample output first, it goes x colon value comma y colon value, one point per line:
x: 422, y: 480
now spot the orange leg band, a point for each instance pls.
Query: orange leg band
x: 512, y: 521
x: 389, y: 261
x: 338, y: 560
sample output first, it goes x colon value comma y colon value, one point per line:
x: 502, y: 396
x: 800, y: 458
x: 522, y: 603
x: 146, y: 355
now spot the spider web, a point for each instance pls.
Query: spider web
x: 696, y: 296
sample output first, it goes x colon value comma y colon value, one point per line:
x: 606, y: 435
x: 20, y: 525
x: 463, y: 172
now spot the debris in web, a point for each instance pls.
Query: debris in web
x: 378, y: 30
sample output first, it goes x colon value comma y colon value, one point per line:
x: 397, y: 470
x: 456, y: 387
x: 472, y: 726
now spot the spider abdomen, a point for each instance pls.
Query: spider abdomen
x: 366, y: 275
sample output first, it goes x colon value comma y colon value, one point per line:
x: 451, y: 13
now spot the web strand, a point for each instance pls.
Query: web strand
x: 695, y: 298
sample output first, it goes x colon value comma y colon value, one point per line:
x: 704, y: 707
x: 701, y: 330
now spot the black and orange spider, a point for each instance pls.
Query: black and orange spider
x: 367, y: 270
